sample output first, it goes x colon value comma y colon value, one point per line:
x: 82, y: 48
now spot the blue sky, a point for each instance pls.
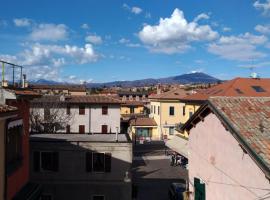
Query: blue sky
x: 101, y: 40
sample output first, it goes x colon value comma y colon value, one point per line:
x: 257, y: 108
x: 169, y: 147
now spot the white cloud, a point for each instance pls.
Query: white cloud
x: 242, y: 47
x: 201, y: 16
x: 85, y: 26
x: 148, y: 15
x: 226, y: 29
x: 264, y: 7
x: 264, y: 29
x: 136, y: 10
x: 123, y: 40
x: 94, y: 39
x: 49, y: 32
x: 174, y: 34
x: 22, y: 22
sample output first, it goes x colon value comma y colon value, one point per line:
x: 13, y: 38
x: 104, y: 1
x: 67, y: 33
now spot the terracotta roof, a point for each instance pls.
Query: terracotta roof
x: 248, y: 118
x: 132, y: 103
x: 78, y: 88
x: 26, y: 92
x: 175, y: 94
x: 87, y: 99
x: 234, y: 88
x: 6, y: 109
x: 143, y: 121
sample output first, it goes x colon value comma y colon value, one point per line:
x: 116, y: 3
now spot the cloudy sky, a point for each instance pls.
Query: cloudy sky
x: 101, y: 40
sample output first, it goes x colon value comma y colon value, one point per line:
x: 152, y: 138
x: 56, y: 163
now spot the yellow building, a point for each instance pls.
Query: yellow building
x: 166, y: 110
x: 132, y: 107
x: 143, y: 129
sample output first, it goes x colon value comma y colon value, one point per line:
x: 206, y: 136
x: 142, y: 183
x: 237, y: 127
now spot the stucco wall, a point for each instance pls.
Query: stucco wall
x: 216, y: 158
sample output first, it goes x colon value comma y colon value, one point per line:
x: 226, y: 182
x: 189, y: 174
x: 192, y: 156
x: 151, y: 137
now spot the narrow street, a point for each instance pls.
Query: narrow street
x: 152, y: 173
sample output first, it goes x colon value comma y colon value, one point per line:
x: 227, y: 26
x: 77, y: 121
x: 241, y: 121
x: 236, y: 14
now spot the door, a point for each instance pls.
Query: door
x: 199, y: 189
x: 104, y: 129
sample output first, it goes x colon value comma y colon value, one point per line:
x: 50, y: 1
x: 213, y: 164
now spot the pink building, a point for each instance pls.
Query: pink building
x: 229, y: 149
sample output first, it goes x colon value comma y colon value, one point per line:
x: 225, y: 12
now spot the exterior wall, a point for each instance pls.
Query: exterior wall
x: 217, y: 158
x: 20, y: 177
x: 126, y: 110
x: 154, y: 130
x: 65, y: 184
x: 76, y: 93
x: 2, y: 158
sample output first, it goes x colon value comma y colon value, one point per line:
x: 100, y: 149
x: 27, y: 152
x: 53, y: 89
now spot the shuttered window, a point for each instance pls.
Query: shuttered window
x: 81, y: 110
x: 45, y: 161
x: 104, y: 129
x: 81, y: 129
x: 104, y: 110
x: 98, y: 162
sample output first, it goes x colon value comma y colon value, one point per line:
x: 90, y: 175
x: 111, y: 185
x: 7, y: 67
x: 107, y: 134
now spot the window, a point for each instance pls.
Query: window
x: 104, y: 129
x: 98, y: 162
x: 81, y: 110
x: 190, y: 114
x: 98, y: 197
x: 68, y: 129
x: 171, y: 111
x: 154, y: 109
x: 131, y: 110
x: 104, y: 110
x: 184, y: 110
x: 45, y: 161
x: 171, y: 130
x: 81, y: 129
x: 68, y: 110
x: 14, y: 148
x: 151, y: 109
x: 258, y: 88
x: 158, y: 110
x: 238, y: 91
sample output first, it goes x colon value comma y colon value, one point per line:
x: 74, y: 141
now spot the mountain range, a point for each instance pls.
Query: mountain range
x: 191, y: 78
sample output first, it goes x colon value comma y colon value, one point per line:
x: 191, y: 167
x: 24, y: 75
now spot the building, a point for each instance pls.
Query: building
x: 17, y: 153
x: 165, y: 109
x: 6, y: 112
x: 90, y: 167
x: 229, y: 143
x: 60, y: 89
x: 76, y: 114
x: 143, y: 129
x: 133, y: 96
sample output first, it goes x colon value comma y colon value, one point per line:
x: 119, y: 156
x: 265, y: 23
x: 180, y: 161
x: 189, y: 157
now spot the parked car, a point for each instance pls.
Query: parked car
x: 176, y: 191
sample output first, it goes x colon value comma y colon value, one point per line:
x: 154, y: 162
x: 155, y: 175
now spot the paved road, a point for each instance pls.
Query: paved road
x: 152, y: 173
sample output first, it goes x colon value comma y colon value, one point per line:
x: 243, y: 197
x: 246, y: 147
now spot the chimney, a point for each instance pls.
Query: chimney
x: 24, y: 84
x: 159, y: 89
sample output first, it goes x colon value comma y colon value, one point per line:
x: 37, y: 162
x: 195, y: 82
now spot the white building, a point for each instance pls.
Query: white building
x: 77, y: 114
x: 229, y: 149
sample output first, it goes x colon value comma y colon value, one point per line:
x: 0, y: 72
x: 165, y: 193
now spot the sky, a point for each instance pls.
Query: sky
x: 115, y: 40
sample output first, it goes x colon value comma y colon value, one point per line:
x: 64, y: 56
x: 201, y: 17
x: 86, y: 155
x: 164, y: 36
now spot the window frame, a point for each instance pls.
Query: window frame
x: 40, y: 162
x: 104, y: 125
x: 83, y: 132
x: 105, y: 110
x: 68, y: 110
x: 107, y: 166
x: 173, y: 111
x: 81, y: 109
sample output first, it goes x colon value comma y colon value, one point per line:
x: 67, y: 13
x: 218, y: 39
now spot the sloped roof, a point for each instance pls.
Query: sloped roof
x: 75, y: 88
x: 6, y: 110
x: 86, y: 99
x: 235, y: 88
x: 143, y: 121
x: 175, y: 94
x: 248, y: 118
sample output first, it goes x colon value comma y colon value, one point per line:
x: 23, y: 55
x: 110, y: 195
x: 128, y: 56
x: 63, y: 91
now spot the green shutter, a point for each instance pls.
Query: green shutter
x: 199, y: 189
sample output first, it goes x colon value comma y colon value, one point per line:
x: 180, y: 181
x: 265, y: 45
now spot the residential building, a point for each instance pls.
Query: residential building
x: 74, y: 166
x: 165, y: 109
x: 17, y: 153
x: 133, y: 96
x: 60, y: 89
x: 79, y: 114
x: 143, y: 129
x: 6, y: 112
x: 228, y: 146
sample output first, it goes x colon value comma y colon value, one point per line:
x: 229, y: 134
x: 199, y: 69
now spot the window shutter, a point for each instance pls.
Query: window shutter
x: 108, y: 160
x: 55, y: 161
x: 88, y: 161
x: 36, y: 161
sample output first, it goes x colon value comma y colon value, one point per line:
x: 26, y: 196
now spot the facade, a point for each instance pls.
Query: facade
x: 229, y: 149
x: 102, y: 164
x: 80, y: 114
x: 17, y: 159
x: 143, y: 129
x: 165, y: 109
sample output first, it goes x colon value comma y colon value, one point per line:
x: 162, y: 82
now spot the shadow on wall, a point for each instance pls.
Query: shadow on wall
x: 81, y: 169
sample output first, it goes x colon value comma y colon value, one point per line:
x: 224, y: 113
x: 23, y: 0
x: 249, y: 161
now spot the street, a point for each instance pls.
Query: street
x: 152, y: 173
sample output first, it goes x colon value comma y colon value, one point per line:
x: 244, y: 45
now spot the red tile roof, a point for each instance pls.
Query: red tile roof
x: 234, y: 88
x: 6, y: 109
x: 175, y: 94
x: 143, y: 121
x: 75, y: 88
x: 133, y: 103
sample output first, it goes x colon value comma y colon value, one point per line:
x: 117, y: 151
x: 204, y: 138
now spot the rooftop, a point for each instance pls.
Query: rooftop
x: 143, y: 121
x: 248, y: 118
x: 175, y: 94
x: 253, y: 87
x: 78, y: 138
x: 86, y: 99
x: 77, y: 88
x: 5, y: 109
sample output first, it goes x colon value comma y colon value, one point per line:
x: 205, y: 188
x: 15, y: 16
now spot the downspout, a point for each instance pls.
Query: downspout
x: 89, y: 125
x: 161, y: 130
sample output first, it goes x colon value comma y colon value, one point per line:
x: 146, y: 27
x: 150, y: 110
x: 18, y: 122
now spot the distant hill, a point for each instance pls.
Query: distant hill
x: 191, y: 78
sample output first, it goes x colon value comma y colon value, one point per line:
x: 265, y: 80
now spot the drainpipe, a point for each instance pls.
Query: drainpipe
x: 160, y: 114
x: 89, y: 125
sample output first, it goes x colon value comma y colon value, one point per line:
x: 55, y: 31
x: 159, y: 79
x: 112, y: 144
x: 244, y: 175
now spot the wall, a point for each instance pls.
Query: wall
x: 2, y: 158
x: 155, y: 133
x: 126, y: 110
x: 216, y: 158
x: 65, y: 184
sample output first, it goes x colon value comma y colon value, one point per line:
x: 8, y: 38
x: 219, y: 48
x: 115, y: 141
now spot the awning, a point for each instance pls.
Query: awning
x: 179, y: 145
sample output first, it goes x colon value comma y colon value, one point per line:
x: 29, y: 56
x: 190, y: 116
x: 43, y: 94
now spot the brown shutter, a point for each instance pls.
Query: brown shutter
x: 68, y: 109
x: 81, y: 110
x: 36, y: 161
x: 81, y: 129
x: 88, y: 161
x: 104, y: 129
x: 108, y: 160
